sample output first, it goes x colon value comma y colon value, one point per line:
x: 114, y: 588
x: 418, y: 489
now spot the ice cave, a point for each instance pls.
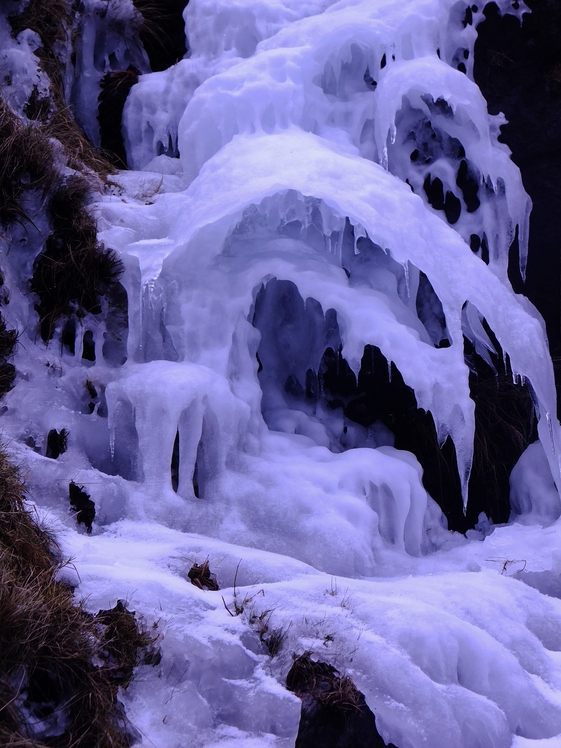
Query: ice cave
x: 307, y: 364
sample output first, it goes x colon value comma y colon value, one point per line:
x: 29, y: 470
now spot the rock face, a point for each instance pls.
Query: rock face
x: 518, y: 69
x: 334, y: 711
x: 163, y: 32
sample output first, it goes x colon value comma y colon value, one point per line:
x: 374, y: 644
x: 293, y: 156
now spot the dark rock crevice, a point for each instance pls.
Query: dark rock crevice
x: 518, y: 69
x: 163, y: 31
x: 334, y: 712
x: 377, y: 408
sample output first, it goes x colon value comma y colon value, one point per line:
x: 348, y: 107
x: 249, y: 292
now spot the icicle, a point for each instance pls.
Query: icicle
x: 112, y: 441
x: 338, y: 245
x: 406, y: 271
x: 141, y: 320
x: 523, y: 231
x: 550, y: 430
x: 385, y: 158
x: 359, y: 233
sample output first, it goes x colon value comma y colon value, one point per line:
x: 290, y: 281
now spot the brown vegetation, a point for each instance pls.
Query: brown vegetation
x: 26, y: 164
x: 74, y: 270
x: 82, y: 505
x: 115, y: 88
x: 201, y: 576
x: 60, y: 667
x: 334, y: 712
x: 271, y: 637
x: 323, y: 682
x: 54, y: 21
x: 163, y: 31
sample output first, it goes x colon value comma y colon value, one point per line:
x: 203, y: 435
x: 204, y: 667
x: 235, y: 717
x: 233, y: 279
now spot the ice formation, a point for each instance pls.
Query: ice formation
x: 314, y: 176
x: 295, y: 157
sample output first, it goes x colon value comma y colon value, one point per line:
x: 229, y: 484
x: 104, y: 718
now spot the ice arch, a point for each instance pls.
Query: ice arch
x: 395, y: 220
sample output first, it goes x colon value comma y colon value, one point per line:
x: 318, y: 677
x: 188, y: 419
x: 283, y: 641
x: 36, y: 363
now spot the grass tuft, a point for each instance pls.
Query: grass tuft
x: 162, y: 32
x: 54, y: 21
x: 271, y: 637
x: 26, y: 164
x: 201, y: 576
x: 74, y: 270
x: 82, y: 505
x: 60, y: 667
x: 48, y: 19
x: 322, y: 681
x: 115, y: 88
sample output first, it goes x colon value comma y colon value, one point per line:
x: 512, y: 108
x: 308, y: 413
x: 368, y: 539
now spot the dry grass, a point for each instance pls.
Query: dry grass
x: 48, y: 18
x: 323, y: 683
x: 74, y: 270
x: 26, y: 164
x: 82, y: 505
x: 201, y: 576
x: 162, y: 31
x: 26, y: 548
x: 505, y: 423
x: 51, y: 692
x: 115, y: 88
x: 271, y: 637
x: 81, y: 154
x: 54, y: 21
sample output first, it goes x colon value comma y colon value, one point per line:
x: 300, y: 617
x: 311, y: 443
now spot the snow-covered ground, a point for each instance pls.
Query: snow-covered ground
x: 457, y: 648
x: 286, y: 226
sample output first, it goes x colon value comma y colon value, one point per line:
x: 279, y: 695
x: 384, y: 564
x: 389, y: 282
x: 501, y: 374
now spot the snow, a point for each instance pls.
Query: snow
x: 455, y: 650
x: 269, y: 215
x: 19, y: 69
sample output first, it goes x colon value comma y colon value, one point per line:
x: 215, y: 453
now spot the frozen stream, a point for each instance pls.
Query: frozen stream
x: 315, y: 178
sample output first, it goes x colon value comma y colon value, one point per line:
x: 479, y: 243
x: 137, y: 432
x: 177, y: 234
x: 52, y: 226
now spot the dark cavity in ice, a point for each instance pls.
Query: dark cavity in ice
x: 304, y: 371
x: 88, y: 346
x: 82, y: 505
x: 56, y: 443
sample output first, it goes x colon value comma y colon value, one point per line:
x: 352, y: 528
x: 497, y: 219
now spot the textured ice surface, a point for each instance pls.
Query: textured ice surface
x: 454, y: 650
x: 229, y: 249
x: 19, y: 67
x: 315, y: 174
x: 106, y: 41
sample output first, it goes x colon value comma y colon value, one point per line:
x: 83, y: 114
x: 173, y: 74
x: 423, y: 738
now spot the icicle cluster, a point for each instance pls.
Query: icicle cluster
x: 317, y: 177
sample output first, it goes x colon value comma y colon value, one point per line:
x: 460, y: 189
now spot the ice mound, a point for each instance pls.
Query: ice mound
x: 368, y: 84
x: 460, y: 653
x: 530, y: 479
x: 242, y: 232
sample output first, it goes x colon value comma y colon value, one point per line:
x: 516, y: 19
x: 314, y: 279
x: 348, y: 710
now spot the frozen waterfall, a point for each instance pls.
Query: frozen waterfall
x: 345, y: 152
x: 318, y: 202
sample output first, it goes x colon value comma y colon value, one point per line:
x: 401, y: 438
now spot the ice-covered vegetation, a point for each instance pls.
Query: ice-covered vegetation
x: 261, y: 349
